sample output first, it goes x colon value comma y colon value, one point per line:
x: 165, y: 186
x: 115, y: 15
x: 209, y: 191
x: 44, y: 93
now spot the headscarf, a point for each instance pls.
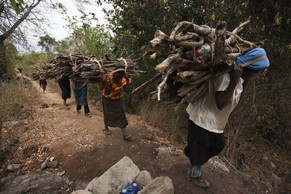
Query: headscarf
x: 255, y: 59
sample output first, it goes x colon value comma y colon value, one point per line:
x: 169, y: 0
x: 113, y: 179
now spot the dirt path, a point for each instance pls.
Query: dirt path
x: 84, y: 152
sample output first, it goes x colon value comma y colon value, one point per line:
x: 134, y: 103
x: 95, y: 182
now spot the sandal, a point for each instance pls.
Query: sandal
x: 106, y: 131
x: 127, y: 137
x: 88, y: 115
x: 201, y: 182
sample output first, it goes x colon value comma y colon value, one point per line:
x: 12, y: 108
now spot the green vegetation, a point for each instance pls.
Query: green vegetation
x: 31, y: 60
x: 47, y: 43
x: 11, y: 30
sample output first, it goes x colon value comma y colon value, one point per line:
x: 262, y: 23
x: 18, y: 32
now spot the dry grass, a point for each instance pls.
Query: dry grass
x: 54, y: 86
x: 166, y: 118
x: 15, y: 104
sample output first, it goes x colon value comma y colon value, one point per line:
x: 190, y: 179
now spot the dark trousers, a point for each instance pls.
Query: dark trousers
x: 64, y: 84
x: 202, y: 144
x: 86, y: 108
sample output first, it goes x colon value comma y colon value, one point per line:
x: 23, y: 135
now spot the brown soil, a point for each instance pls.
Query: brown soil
x: 84, y: 152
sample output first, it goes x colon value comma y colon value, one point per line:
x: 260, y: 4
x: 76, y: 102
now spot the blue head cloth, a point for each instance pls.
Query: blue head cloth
x: 255, y: 59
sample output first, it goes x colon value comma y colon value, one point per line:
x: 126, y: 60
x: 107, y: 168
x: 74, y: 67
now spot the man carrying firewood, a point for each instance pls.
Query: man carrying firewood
x: 208, y: 115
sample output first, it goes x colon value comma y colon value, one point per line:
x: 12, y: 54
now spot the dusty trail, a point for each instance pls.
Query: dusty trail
x: 84, y: 152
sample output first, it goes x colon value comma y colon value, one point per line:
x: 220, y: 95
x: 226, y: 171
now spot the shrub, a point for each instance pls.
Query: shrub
x: 163, y: 116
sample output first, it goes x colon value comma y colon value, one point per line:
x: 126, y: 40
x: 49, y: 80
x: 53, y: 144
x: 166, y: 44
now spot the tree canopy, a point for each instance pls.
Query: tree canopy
x: 134, y: 22
x: 11, y: 16
x: 17, y: 17
x: 47, y: 43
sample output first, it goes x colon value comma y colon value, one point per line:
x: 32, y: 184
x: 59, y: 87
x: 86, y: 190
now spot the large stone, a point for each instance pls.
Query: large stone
x: 144, y: 178
x: 160, y: 185
x: 44, y: 182
x: 112, y: 181
x: 217, y: 163
x: 12, y: 167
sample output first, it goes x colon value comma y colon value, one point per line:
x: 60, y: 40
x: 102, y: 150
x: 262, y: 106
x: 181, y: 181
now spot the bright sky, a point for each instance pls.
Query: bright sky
x: 58, y: 28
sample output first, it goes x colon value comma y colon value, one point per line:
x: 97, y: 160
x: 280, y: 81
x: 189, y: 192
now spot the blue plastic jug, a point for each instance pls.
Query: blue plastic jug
x: 130, y: 188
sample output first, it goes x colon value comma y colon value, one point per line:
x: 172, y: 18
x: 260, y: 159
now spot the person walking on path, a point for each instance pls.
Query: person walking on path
x: 208, y: 115
x: 80, y: 91
x: 42, y: 82
x: 112, y: 87
x: 64, y: 84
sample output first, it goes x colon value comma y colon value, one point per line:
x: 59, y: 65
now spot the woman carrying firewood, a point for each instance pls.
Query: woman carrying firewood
x: 42, y: 82
x: 112, y: 87
x: 80, y: 91
x: 65, y: 86
x: 208, y: 115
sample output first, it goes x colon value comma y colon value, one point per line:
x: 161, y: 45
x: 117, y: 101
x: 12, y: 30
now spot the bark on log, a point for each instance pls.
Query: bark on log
x: 90, y: 69
x: 191, y: 70
x: 190, y: 27
x: 219, y: 50
x: 164, y: 65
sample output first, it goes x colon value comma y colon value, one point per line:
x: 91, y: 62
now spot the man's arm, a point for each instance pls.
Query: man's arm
x: 222, y: 98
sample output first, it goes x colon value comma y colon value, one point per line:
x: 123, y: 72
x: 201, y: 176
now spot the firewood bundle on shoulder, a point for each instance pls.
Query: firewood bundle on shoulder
x: 60, y: 66
x: 90, y: 68
x: 193, y: 55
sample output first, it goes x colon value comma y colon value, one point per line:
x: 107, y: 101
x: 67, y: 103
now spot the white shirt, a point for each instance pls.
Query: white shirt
x: 204, y: 111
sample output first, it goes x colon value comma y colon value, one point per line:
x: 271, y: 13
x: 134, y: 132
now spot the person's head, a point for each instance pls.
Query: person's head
x: 119, y: 74
x: 79, y: 60
x: 253, y: 62
x: 93, y: 58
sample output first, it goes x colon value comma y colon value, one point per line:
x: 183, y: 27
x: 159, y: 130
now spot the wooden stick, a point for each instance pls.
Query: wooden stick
x: 232, y: 39
x: 147, y: 83
x: 171, y: 70
x: 164, y: 65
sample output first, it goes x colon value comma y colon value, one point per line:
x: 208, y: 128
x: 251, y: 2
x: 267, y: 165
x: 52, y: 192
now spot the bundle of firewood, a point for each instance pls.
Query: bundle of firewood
x: 193, y: 55
x: 90, y: 69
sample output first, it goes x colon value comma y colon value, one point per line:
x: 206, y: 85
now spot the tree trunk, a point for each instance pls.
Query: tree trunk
x: 3, y: 68
x: 3, y: 37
